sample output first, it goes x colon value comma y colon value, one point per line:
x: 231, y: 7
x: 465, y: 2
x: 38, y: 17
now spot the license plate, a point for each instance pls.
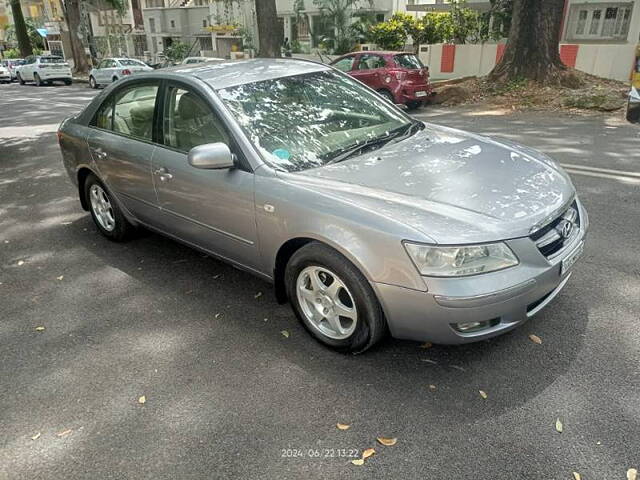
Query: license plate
x: 421, y: 94
x: 568, y: 262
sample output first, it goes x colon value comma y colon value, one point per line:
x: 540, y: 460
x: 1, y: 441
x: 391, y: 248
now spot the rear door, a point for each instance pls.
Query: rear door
x: 369, y: 70
x: 213, y: 209
x: 121, y: 141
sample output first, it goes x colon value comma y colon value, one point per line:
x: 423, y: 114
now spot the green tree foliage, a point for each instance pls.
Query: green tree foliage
x: 338, y: 15
x: 177, y: 51
x: 495, y: 23
x: 34, y: 37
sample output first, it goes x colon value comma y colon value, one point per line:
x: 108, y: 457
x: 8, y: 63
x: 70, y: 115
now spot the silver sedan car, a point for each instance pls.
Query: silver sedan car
x: 364, y: 219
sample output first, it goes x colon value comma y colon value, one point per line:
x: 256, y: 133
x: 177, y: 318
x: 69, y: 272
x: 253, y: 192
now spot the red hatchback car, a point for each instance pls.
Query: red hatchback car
x: 400, y: 77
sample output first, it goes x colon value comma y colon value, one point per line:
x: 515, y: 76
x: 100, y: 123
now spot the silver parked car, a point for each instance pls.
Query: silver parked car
x: 365, y: 220
x: 111, y: 70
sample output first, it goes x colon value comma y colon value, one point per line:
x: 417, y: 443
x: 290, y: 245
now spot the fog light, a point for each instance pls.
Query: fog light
x: 467, y: 327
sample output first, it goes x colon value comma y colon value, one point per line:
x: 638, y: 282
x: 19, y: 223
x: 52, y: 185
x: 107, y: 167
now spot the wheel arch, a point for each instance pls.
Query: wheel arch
x: 288, y: 248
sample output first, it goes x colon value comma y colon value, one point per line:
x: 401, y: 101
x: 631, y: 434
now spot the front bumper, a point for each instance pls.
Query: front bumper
x: 505, y: 299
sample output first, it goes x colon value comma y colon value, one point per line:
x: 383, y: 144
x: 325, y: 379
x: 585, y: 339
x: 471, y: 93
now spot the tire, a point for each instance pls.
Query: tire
x: 36, y: 78
x: 108, y: 217
x: 114, y: 79
x: 387, y: 95
x: 414, y: 105
x: 68, y: 82
x: 20, y: 80
x: 92, y: 82
x: 365, y: 324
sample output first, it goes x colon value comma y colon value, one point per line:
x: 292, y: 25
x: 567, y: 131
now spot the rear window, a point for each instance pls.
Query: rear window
x: 131, y: 63
x: 51, y: 60
x: 409, y: 61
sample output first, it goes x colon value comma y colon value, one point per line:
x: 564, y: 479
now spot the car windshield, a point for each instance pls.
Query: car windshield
x: 51, y: 60
x: 309, y: 120
x: 127, y: 62
x: 409, y: 61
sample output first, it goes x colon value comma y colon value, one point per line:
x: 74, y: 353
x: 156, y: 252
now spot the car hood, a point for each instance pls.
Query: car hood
x: 451, y: 186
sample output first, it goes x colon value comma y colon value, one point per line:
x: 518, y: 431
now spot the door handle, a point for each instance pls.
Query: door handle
x: 163, y: 173
x: 99, y: 153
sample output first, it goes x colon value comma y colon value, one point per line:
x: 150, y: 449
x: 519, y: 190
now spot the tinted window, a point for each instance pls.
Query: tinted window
x: 369, y: 62
x: 133, y: 112
x: 345, y: 64
x: 411, y: 62
x: 189, y: 121
x: 51, y: 60
x: 131, y: 63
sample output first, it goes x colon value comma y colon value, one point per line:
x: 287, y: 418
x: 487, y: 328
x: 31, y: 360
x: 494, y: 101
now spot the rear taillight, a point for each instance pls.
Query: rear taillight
x: 126, y: 71
x: 43, y: 66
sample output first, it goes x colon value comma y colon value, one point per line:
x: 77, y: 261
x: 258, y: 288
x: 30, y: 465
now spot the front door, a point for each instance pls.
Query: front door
x: 212, y: 209
x: 121, y: 146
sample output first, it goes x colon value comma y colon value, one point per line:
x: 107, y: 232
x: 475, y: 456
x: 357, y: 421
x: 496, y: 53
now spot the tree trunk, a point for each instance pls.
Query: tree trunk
x: 73, y: 18
x: 24, y: 44
x: 532, y: 47
x: 269, y: 32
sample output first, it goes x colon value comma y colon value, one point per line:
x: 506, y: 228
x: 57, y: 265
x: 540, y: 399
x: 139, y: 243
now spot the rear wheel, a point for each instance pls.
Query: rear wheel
x: 332, y: 298
x: 68, y: 82
x: 92, y: 82
x: 414, y: 104
x: 105, y: 211
x: 387, y: 95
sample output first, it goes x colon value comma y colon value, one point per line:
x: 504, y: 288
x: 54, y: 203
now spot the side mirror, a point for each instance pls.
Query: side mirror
x: 211, y: 156
x: 633, y: 106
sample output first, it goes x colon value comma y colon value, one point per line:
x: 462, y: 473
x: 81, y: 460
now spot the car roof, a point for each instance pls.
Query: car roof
x: 232, y: 73
x: 375, y: 52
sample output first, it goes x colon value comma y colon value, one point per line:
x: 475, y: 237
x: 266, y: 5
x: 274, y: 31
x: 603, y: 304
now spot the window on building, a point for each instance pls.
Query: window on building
x: 173, y: 24
x: 599, y: 21
x: 204, y: 23
x: 152, y: 25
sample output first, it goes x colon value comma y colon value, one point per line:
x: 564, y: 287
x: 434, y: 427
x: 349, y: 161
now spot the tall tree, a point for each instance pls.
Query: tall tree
x: 533, y: 43
x: 22, y: 35
x: 270, y: 35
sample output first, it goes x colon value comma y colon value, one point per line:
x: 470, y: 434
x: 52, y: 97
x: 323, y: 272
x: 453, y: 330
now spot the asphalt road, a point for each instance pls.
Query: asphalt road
x: 229, y: 396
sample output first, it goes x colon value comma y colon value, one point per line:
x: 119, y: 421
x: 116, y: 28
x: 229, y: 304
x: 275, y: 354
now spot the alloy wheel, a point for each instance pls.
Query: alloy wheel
x: 101, y: 207
x: 326, y: 302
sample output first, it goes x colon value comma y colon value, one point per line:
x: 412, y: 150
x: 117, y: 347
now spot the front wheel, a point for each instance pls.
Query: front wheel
x: 68, y: 82
x: 92, y: 82
x: 332, y: 298
x: 20, y: 80
x: 37, y: 79
x: 387, y: 95
x: 105, y: 212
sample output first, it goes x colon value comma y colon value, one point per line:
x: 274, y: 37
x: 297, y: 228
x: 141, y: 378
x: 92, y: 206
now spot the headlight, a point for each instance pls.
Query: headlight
x: 438, y: 261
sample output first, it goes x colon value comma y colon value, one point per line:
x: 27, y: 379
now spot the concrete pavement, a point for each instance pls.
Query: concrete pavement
x: 228, y: 396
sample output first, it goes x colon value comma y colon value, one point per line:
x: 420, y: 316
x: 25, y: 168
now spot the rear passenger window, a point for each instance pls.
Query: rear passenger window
x: 104, y: 117
x: 189, y: 121
x: 133, y: 112
x: 370, y: 62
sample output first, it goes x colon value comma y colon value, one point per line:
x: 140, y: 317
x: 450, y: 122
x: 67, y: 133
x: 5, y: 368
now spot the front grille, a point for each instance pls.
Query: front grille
x: 550, y: 239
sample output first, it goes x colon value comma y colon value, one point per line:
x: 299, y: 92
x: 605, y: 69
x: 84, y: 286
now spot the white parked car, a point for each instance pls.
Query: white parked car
x: 12, y: 65
x: 5, y: 75
x: 43, y: 69
x: 193, y: 60
x: 111, y: 70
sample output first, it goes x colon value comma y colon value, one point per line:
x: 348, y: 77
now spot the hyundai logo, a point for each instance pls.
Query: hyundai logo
x: 565, y: 228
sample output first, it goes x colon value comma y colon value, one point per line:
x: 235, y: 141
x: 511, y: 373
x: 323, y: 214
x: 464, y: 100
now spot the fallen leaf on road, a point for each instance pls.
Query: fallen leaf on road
x: 632, y: 474
x: 426, y: 345
x: 577, y: 476
x: 65, y: 433
x: 217, y: 276
x: 20, y: 263
x: 218, y: 315
x: 367, y: 453
x: 535, y: 339
x: 39, y: 329
x: 36, y: 436
x: 343, y: 426
x: 60, y: 277
x: 559, y: 425
x: 457, y: 367
x: 432, y: 387
x: 285, y: 333
x: 358, y: 461
x: 387, y: 442
x: 265, y: 319
x: 483, y: 394
x: 257, y: 295
x: 142, y: 400
x: 428, y: 361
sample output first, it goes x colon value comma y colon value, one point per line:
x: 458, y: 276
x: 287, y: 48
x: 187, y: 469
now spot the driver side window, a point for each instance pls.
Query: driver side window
x: 189, y: 121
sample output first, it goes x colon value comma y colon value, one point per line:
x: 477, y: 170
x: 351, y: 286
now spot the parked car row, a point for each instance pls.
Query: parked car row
x: 111, y: 70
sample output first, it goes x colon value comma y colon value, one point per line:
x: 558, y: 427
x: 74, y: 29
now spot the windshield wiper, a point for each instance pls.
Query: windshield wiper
x: 403, y: 132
